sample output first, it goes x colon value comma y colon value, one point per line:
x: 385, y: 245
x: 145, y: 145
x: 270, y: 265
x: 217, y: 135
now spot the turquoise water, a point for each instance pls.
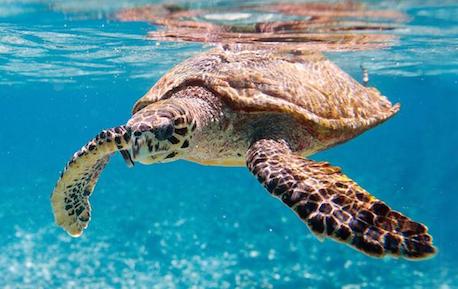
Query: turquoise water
x: 68, y: 70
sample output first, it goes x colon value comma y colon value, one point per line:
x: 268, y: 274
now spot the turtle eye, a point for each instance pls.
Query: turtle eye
x: 163, y: 131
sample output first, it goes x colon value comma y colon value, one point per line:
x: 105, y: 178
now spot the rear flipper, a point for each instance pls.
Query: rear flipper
x: 70, y: 198
x: 334, y: 206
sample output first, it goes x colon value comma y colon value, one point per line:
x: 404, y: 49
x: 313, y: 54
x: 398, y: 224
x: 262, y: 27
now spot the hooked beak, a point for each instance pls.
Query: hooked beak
x: 126, y: 154
x: 136, y: 144
x: 127, y: 158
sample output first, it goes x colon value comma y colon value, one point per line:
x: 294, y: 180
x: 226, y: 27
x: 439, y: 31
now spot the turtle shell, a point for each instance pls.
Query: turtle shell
x: 303, y: 84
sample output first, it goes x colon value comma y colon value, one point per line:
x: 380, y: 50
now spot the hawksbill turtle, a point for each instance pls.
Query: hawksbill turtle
x: 268, y: 110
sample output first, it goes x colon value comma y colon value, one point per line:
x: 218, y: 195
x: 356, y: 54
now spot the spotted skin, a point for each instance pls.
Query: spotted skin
x: 70, y: 198
x: 334, y: 206
x: 166, y: 127
x: 169, y: 126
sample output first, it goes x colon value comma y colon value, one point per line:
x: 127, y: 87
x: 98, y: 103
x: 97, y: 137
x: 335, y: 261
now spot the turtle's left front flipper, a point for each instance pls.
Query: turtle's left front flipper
x: 334, y: 206
x: 70, y: 198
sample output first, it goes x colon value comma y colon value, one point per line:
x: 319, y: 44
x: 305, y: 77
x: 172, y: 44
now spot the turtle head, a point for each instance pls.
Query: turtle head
x: 159, y: 134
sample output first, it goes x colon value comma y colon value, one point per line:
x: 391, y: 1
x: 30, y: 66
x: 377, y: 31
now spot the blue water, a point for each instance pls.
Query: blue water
x: 68, y: 70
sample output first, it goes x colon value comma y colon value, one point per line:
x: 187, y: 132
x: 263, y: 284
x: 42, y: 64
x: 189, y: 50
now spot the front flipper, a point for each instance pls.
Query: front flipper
x: 70, y: 198
x: 334, y: 206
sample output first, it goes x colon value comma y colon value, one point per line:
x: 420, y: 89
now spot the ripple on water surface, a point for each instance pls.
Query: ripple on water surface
x: 96, y: 45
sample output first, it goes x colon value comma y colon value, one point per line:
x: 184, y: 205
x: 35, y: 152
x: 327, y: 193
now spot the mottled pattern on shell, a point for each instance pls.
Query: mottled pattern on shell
x: 304, y: 84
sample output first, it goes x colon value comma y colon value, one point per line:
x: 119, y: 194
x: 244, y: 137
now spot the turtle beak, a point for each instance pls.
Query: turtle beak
x: 125, y: 152
x: 136, y: 145
x: 127, y: 158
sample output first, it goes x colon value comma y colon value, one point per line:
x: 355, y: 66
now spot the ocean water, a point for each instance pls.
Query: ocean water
x: 69, y: 69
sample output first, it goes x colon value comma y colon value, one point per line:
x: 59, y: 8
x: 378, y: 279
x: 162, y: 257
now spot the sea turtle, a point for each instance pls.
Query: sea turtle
x: 268, y: 110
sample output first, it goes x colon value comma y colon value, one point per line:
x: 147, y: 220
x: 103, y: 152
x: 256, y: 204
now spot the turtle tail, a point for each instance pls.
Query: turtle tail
x: 70, y: 198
